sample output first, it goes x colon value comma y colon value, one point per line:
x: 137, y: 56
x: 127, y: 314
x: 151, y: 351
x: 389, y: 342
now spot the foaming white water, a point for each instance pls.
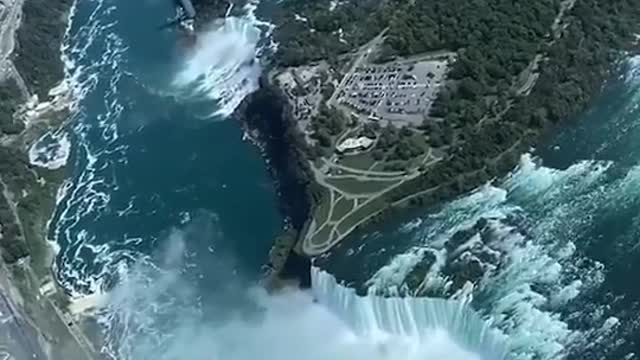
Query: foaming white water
x: 390, y: 276
x: 425, y: 324
x: 632, y: 75
x: 93, y: 55
x: 509, y: 249
x: 51, y: 151
x: 156, y: 313
x: 223, y: 67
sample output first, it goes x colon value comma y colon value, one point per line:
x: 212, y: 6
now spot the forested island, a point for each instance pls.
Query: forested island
x: 398, y: 104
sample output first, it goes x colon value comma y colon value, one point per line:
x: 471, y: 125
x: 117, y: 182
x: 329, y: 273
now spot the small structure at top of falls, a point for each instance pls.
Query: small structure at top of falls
x: 187, y: 14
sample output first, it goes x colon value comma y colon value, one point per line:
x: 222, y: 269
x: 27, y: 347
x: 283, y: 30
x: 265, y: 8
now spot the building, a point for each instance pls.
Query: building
x: 354, y: 144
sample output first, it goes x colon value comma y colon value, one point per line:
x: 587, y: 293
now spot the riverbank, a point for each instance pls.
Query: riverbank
x: 268, y: 121
x: 33, y: 150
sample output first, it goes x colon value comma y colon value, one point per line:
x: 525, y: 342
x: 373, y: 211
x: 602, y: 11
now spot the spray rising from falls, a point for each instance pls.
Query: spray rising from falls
x: 222, y: 67
x: 155, y: 312
x: 427, y: 328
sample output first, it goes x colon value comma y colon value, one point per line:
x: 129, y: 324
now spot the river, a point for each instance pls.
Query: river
x: 168, y: 216
x: 162, y: 181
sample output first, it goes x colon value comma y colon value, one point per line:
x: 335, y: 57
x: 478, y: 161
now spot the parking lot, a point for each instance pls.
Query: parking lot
x: 399, y: 92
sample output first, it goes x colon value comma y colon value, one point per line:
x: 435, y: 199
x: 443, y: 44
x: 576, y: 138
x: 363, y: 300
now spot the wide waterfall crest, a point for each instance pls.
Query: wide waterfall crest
x: 418, y: 319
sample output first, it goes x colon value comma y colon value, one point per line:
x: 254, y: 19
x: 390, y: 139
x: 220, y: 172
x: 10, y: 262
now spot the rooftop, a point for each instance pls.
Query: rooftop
x: 354, y: 144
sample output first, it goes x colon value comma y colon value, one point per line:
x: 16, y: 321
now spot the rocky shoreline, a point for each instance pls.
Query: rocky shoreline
x: 267, y: 115
x: 36, y: 101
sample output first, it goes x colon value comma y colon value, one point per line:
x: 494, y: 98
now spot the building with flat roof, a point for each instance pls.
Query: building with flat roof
x: 354, y: 144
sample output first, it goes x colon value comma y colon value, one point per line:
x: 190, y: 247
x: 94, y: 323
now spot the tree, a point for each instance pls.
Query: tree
x: 323, y: 137
x: 388, y: 137
x: 368, y: 131
x: 405, y: 131
x: 470, y: 89
x: 377, y: 155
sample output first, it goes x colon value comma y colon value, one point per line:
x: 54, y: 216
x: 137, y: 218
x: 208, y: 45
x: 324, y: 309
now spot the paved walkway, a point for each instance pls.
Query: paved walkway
x: 362, y: 55
x: 9, y: 23
x: 359, y: 200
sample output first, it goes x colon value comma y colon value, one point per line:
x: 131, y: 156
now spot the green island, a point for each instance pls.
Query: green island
x: 404, y: 104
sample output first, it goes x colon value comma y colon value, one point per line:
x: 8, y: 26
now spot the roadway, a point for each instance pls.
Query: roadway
x: 10, y: 18
x: 18, y: 339
x: 10, y: 13
x: 361, y: 200
x: 361, y: 56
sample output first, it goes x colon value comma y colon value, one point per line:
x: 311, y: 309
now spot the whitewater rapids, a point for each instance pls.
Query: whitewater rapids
x: 409, y: 327
x: 222, y: 68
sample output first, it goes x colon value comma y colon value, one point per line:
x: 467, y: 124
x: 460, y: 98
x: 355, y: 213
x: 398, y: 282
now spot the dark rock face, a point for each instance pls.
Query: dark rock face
x: 207, y: 10
x: 267, y: 112
x: 298, y: 267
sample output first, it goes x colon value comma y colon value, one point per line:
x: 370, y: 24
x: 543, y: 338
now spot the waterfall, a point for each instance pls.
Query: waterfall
x: 419, y: 320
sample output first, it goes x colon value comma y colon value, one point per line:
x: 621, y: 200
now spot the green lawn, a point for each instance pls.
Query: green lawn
x: 322, y: 236
x: 360, y: 214
x: 321, y: 211
x: 355, y: 186
x: 342, y: 208
x: 359, y: 161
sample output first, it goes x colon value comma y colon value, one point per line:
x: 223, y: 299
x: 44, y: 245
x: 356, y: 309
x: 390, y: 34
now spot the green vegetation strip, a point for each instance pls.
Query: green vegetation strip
x: 359, y: 162
x: 322, y: 236
x: 355, y: 186
x: 321, y: 213
x: 359, y: 215
x: 342, y: 208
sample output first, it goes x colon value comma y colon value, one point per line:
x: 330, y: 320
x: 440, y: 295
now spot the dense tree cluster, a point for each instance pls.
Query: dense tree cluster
x: 207, y: 10
x: 38, y: 46
x: 509, y: 29
x: 577, y: 66
x: 580, y: 61
x: 439, y: 133
x: 10, y: 98
x: 12, y: 244
x: 13, y: 170
x: 327, y: 124
x: 495, y: 40
x: 309, y: 31
x: 398, y: 146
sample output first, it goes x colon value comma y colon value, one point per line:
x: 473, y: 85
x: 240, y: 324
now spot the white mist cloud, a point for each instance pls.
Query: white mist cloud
x: 291, y: 327
x: 156, y: 312
x: 222, y: 67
